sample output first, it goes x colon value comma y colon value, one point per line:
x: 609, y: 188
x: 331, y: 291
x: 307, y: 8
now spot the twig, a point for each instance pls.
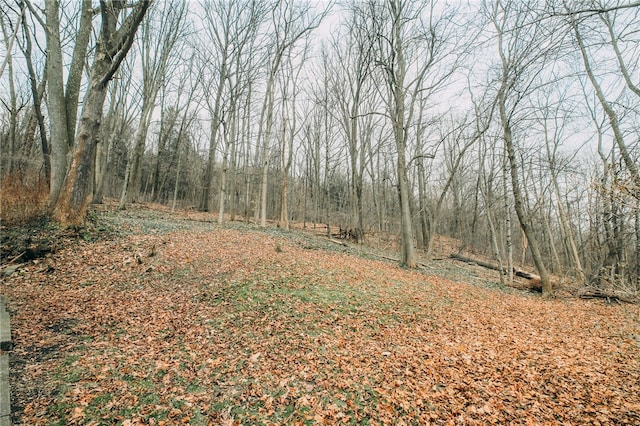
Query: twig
x: 16, y: 258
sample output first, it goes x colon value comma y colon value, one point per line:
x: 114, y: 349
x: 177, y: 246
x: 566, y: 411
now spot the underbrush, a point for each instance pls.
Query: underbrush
x: 37, y: 236
x: 23, y: 198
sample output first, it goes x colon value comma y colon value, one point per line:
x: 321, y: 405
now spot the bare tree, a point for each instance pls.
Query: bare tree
x: 291, y: 22
x: 230, y: 29
x: 179, y: 101
x: 605, y: 43
x: 9, y: 36
x: 240, y: 41
x: 62, y: 99
x: 612, y: 115
x: 352, y: 82
x: 161, y: 35
x: 37, y: 94
x: 290, y: 88
x: 457, y: 136
x: 318, y: 142
x: 116, y: 36
x: 220, y: 20
x: 116, y: 123
x: 415, y: 55
x: 553, y: 125
x: 524, y: 49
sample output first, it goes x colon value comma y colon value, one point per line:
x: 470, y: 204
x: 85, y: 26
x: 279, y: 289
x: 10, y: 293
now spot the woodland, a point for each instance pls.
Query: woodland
x: 299, y: 211
x: 509, y: 125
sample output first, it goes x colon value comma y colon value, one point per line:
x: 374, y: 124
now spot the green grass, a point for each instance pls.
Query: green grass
x: 302, y: 305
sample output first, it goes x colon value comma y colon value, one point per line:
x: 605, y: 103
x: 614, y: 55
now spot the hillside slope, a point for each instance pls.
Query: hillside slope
x: 188, y: 322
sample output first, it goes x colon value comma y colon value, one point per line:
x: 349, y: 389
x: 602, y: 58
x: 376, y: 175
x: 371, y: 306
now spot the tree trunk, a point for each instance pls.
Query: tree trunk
x: 216, y: 119
x: 62, y: 107
x: 556, y: 265
x: 425, y: 223
x: 408, y: 254
x: 140, y: 143
x: 356, y: 174
x: 571, y: 241
x: 112, y: 130
x: 37, y: 92
x: 74, y: 197
x: 102, y: 161
x: 523, y: 217
x: 637, y: 235
x: 163, y: 134
x: 113, y: 46
x: 507, y: 224
x: 233, y: 208
x: 176, y: 184
x: 496, y: 250
x: 284, y: 178
x: 266, y: 152
x: 56, y: 102
x: 12, y: 107
x: 74, y: 79
x: 229, y: 139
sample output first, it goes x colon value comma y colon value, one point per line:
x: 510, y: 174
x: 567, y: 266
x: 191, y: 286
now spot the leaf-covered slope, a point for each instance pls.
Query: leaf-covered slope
x: 235, y: 326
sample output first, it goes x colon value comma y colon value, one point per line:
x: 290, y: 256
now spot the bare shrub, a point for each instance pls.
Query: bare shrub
x: 23, y: 197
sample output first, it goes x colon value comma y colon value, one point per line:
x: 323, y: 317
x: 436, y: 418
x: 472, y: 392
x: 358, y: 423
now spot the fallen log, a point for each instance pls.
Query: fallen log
x: 493, y: 267
x: 608, y: 295
x: 474, y: 262
x: 342, y: 243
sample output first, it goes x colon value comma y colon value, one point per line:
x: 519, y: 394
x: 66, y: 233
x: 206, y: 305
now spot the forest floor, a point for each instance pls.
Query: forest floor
x: 154, y: 318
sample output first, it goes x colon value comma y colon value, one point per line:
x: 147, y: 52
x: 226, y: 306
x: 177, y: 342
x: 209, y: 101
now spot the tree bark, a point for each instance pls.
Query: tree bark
x: 229, y: 139
x: 507, y: 222
x: 216, y: 120
x: 396, y: 78
x: 56, y: 102
x: 37, y: 92
x: 74, y: 197
x: 113, y: 45
x: 12, y: 107
x: 523, y: 217
x: 63, y: 100
x: 74, y: 79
